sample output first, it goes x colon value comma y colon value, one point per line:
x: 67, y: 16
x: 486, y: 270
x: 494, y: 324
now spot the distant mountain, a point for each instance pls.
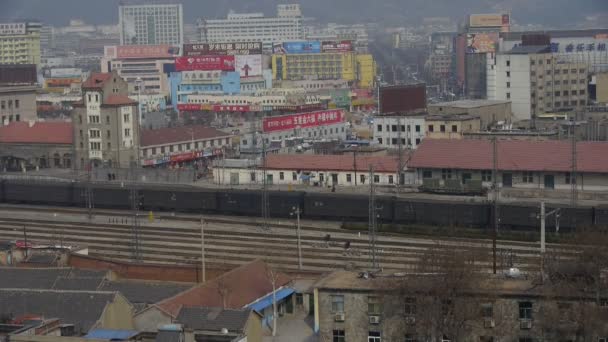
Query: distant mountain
x: 565, y: 13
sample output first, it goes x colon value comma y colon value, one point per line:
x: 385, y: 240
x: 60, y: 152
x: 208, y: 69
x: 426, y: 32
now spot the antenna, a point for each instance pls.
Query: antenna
x: 372, y: 220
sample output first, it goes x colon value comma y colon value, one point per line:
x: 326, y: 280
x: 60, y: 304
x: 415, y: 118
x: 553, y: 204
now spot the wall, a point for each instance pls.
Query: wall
x: 412, y: 131
x: 117, y: 315
x: 231, y: 83
x: 602, y: 87
x: 253, y: 330
x: 519, y: 80
x: 150, y: 319
x: 462, y: 126
x: 26, y: 95
x: 489, y: 114
x: 366, y: 71
x: 35, y: 155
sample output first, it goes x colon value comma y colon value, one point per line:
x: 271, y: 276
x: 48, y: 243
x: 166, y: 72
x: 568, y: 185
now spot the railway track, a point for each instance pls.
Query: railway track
x: 234, y: 241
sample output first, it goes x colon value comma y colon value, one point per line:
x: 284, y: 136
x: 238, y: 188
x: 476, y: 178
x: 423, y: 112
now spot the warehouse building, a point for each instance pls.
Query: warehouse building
x: 490, y: 112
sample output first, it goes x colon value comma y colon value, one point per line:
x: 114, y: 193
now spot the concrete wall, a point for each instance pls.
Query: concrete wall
x: 23, y: 111
x: 36, y: 155
x: 412, y: 131
x: 117, y: 315
x: 253, y: 329
x: 601, y: 87
x: 150, y: 319
x: 462, y: 126
x: 488, y: 114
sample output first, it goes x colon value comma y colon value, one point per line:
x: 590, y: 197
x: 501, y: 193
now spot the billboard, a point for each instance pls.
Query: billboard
x: 481, y: 42
x: 303, y: 120
x: 61, y: 82
x: 489, y: 20
x: 12, y: 29
x: 235, y: 108
x: 141, y: 51
x: 248, y: 65
x: 402, y: 98
x: 223, y: 49
x: 297, y: 47
x: 193, y: 77
x: 342, y: 46
x: 66, y: 72
x: 223, y: 63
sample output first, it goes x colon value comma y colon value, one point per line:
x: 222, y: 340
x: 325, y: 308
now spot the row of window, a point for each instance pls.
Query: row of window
x: 396, y: 128
x: 16, y: 118
x: 395, y: 141
x: 197, y: 145
x: 95, y: 119
x: 486, y: 176
x: 334, y: 177
x: 4, y: 104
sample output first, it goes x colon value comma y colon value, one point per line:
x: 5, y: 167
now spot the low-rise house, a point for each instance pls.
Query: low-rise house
x: 220, y: 325
x: 448, y: 126
x: 315, y: 170
x: 490, y: 112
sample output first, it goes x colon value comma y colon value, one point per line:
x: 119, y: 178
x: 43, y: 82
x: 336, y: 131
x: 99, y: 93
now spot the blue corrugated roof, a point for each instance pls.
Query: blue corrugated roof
x: 110, y: 334
x: 267, y: 300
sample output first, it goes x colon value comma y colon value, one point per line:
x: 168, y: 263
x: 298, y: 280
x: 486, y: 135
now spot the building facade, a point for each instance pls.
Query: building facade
x: 450, y: 126
x: 17, y: 103
x: 254, y: 27
x: 151, y: 24
x: 20, y: 42
x: 490, y: 112
x: 106, y: 123
x: 389, y: 129
x: 536, y: 82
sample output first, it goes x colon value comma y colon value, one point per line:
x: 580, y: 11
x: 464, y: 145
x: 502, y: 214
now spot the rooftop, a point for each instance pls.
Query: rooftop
x: 513, y: 155
x: 96, y: 80
x: 555, y: 33
x: 39, y: 132
x: 214, y: 319
x: 529, y: 49
x: 466, y: 104
x: 325, y: 162
x: 119, y: 100
x: 144, y: 291
x: 451, y: 117
x: 179, y: 134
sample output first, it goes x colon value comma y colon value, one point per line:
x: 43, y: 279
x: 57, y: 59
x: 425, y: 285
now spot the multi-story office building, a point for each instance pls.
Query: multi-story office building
x: 391, y: 131
x: 254, y: 27
x: 106, y: 124
x: 536, y: 82
x: 17, y: 93
x: 151, y: 24
x: 20, y: 42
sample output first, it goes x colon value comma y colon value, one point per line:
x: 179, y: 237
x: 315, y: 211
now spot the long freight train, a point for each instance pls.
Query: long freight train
x: 314, y: 205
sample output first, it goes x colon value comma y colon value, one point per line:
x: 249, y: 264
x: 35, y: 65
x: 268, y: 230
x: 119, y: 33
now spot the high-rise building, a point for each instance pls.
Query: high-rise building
x: 254, y: 27
x: 151, y: 24
x: 106, y: 124
x: 20, y: 42
x: 47, y: 38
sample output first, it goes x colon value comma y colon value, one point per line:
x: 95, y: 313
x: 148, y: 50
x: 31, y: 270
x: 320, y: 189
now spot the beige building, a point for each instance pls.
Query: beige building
x: 17, y: 103
x: 448, y: 126
x: 20, y: 42
x: 601, y: 84
x: 490, y: 112
x: 106, y: 123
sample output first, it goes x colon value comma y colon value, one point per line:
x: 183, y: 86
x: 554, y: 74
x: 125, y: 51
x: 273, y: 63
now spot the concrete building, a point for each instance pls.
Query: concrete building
x: 539, y: 167
x: 205, y: 323
x: 34, y: 145
x: 106, y: 123
x: 490, y: 112
x: 451, y: 126
x: 601, y: 88
x: 254, y: 27
x: 151, y: 24
x: 312, y: 170
x: 536, y: 82
x: 389, y: 129
x: 17, y: 103
x: 20, y: 42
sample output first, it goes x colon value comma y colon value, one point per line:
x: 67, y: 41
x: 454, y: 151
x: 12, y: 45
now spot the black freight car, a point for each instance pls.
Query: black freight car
x: 520, y: 216
x: 58, y: 192
x: 105, y: 196
x: 239, y: 202
x: 282, y: 203
x: 405, y: 211
x: 346, y: 207
x: 600, y: 219
x: 570, y: 218
x: 179, y: 199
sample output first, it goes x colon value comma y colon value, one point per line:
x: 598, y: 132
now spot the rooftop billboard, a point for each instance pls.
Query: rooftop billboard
x: 402, y: 98
x: 489, y: 20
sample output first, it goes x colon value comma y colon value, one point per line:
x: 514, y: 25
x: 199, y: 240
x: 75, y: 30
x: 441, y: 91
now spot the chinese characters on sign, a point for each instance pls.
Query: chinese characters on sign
x: 12, y: 28
x: 223, y: 49
x: 303, y: 120
x: 223, y: 63
x: 144, y: 51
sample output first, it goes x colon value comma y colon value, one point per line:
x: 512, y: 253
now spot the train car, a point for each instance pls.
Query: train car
x: 2, y: 190
x: 239, y: 202
x: 519, y: 216
x: 470, y: 214
x: 600, y: 217
x: 105, y: 196
x: 404, y: 211
x: 176, y: 198
x: 59, y: 193
x: 283, y: 204
x: 570, y: 218
x: 433, y: 213
x: 344, y: 207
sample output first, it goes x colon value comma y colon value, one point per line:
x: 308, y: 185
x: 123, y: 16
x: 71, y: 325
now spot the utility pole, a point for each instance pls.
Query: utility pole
x: 203, y: 268
x: 25, y: 238
x: 265, y: 203
x: 573, y: 171
x: 495, y: 195
x: 297, y: 212
x: 542, y: 241
x: 400, y: 151
x: 372, y: 220
x: 88, y: 192
x: 355, y: 164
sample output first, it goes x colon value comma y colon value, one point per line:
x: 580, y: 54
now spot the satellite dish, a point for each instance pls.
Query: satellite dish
x: 224, y: 331
x: 514, y: 272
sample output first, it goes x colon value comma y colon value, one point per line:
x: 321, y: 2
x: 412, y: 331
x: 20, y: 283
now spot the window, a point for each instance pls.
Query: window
x: 525, y: 310
x: 373, y: 305
x: 127, y: 132
x: 565, y: 93
x: 548, y: 61
x: 374, y: 336
x: 427, y: 174
x: 94, y: 119
x: 569, y: 179
x: 107, y: 120
x: 442, y: 128
x: 508, y: 84
x: 557, y: 93
x: 508, y: 96
x: 394, y: 128
x: 548, y: 72
x: 349, y: 178
x: 379, y: 128
x: 362, y: 179
x: 171, y: 148
x: 16, y: 103
x: 508, y: 74
x: 3, y: 104
x: 410, y: 338
x: 487, y: 310
x: 532, y: 62
x: 126, y: 118
x: 508, y: 63
x: 582, y: 92
x: 486, y: 176
x: 431, y: 128
x: 528, y: 177
x: 582, y: 102
x: 294, y: 176
x: 395, y: 141
x: 376, y: 179
x: 390, y: 179
x: 417, y: 128
x: 410, y: 306
x: 558, y: 104
x: 252, y: 176
x: 95, y: 146
x: 380, y: 141
x: 446, y: 174
x: 94, y: 134
x: 337, y: 303
x: 338, y: 336
x: 417, y: 141
x: 582, y: 71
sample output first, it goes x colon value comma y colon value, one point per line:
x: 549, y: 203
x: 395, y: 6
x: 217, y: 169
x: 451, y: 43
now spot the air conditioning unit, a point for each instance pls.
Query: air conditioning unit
x: 339, y: 317
x: 525, y: 324
x: 374, y: 319
x: 410, y: 320
x: 488, y: 323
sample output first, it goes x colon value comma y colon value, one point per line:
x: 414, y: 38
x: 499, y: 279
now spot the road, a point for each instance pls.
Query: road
x: 232, y: 241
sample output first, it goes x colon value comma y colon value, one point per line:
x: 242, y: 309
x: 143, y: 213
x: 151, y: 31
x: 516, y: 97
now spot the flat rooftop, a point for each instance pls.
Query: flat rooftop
x: 469, y: 103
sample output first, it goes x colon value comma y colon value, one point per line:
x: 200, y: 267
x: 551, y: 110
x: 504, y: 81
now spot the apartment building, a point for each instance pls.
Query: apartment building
x: 18, y: 90
x: 255, y: 27
x: 106, y: 124
x: 20, y: 42
x: 536, y: 82
x: 151, y: 24
x: 388, y: 130
x: 451, y: 126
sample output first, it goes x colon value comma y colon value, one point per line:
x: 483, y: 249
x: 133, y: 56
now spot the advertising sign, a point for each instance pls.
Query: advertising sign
x: 204, y: 63
x: 66, y: 72
x: 141, y: 51
x: 297, y: 47
x: 249, y: 65
x: 303, y: 120
x: 151, y: 103
x: 61, y: 82
x: 12, y: 29
x: 192, y: 77
x: 489, y: 20
x: 343, y: 46
x: 402, y: 98
x: 481, y: 42
x: 232, y: 108
x: 223, y: 49
x: 189, y: 107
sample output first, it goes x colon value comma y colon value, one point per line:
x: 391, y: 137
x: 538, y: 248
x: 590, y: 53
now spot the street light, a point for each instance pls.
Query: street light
x: 296, y: 211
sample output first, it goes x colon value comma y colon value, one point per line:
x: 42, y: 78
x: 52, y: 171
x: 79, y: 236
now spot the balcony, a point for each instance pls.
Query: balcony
x: 95, y: 154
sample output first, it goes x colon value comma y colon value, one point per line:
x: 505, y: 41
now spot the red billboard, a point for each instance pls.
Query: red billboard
x: 402, y: 98
x: 343, y: 46
x: 141, y: 51
x: 303, y: 120
x: 233, y: 108
x: 204, y: 49
x: 189, y: 107
x: 204, y: 63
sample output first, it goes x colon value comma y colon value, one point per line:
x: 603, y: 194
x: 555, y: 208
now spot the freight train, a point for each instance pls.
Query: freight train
x: 313, y: 205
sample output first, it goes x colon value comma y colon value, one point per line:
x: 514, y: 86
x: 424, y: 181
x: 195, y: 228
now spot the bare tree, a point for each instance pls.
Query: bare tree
x: 273, y: 277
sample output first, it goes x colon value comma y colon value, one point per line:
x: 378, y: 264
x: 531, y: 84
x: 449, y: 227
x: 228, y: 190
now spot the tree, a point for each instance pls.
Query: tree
x: 273, y: 277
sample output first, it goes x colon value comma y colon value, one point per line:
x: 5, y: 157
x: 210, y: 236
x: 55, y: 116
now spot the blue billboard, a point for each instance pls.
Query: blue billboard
x: 301, y: 47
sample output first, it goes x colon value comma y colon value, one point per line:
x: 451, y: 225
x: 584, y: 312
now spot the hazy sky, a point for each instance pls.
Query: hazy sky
x: 556, y: 12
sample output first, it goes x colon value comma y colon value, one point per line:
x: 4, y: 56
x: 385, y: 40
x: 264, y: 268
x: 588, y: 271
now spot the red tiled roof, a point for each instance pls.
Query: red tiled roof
x: 513, y: 155
x: 179, y: 134
x: 346, y: 162
x: 241, y: 286
x: 119, y: 100
x: 96, y: 80
x: 38, y: 133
